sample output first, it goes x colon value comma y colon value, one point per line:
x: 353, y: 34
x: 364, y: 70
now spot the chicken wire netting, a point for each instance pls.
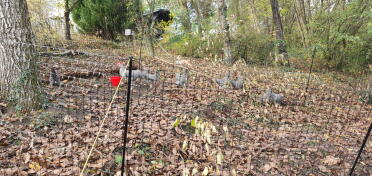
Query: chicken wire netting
x: 178, y: 126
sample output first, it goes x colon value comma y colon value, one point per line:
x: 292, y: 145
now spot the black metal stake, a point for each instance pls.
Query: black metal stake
x: 361, y: 150
x: 125, y: 131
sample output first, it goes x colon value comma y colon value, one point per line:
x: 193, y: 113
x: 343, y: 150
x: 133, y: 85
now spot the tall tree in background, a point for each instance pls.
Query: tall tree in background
x: 198, y: 14
x: 302, y: 20
x: 151, y: 22
x: 18, y: 68
x: 69, y: 6
x: 225, y: 29
x: 279, y: 32
x: 340, y: 29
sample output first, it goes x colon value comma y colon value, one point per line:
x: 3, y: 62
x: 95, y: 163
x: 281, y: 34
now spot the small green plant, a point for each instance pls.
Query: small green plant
x: 144, y: 150
x: 366, y: 97
x: 118, y: 159
x: 14, y: 140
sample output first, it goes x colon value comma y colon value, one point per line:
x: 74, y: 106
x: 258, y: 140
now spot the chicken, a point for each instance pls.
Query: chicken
x: 238, y: 83
x: 270, y: 97
x: 54, y: 79
x: 152, y: 77
x: 136, y: 74
x: 222, y: 83
x: 182, y: 78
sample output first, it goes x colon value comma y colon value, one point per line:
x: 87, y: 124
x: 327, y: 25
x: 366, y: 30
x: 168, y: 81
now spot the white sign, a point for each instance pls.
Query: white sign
x: 128, y: 32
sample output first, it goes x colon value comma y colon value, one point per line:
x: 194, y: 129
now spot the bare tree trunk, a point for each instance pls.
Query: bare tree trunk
x: 300, y: 12
x: 67, y: 21
x: 18, y: 68
x: 282, y: 50
x: 68, y: 8
x: 149, y: 32
x: 267, y: 25
x: 308, y: 10
x: 226, y: 32
x: 199, y: 15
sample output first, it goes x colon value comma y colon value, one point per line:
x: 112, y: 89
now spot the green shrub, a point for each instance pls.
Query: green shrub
x: 253, y: 47
x: 104, y: 18
x: 344, y: 43
x: 188, y: 44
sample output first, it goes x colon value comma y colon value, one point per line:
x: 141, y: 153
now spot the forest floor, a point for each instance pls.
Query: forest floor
x: 200, y: 130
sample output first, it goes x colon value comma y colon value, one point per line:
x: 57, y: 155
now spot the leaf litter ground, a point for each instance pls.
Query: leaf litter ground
x: 236, y: 136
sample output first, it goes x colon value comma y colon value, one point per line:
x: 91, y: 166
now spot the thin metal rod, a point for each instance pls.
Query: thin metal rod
x: 361, y: 150
x: 125, y: 131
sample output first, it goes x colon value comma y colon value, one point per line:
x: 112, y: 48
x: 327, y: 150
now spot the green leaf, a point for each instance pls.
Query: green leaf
x: 194, y: 121
x: 176, y: 123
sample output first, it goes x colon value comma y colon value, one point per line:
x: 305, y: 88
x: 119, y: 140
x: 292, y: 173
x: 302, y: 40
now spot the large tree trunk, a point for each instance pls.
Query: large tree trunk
x: 67, y: 21
x: 222, y: 9
x: 18, y: 69
x: 68, y: 8
x: 282, y: 50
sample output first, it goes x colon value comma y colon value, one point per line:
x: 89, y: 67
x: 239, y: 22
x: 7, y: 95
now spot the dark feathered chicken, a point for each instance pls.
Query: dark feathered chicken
x: 54, y: 79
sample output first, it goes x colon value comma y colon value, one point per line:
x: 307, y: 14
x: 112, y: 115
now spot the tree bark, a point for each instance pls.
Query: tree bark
x: 67, y: 21
x: 300, y: 13
x: 308, y: 9
x: 67, y: 13
x: 225, y: 29
x: 282, y: 50
x: 18, y: 67
x: 149, y: 33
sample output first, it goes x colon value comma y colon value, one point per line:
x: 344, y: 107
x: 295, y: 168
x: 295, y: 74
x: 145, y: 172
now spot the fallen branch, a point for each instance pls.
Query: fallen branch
x: 65, y: 53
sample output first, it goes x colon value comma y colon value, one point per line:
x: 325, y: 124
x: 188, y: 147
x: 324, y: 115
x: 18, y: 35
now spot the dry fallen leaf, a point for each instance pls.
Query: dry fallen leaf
x: 331, y: 160
x: 26, y: 157
x: 34, y: 166
x: 323, y: 168
x: 267, y: 167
